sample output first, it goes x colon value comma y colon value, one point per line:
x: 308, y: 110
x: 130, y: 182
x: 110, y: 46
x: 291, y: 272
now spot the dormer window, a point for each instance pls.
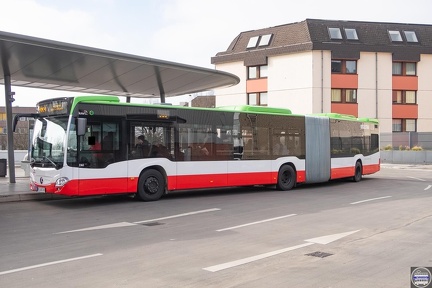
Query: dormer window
x: 351, y: 33
x: 253, y: 41
x: 395, y: 36
x: 411, y: 36
x: 262, y: 40
x: 335, y: 33
x: 265, y: 40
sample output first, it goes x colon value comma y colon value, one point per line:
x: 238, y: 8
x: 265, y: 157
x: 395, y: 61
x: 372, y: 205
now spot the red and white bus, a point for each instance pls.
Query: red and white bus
x: 97, y: 145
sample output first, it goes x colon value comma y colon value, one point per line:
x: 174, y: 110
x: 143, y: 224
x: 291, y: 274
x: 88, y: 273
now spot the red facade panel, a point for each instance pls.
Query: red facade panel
x: 405, y: 83
x: 256, y: 85
x: 405, y: 111
x: 345, y: 108
x: 347, y: 81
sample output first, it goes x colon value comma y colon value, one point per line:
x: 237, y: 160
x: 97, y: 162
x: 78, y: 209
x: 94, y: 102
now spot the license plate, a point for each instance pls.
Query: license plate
x: 41, y: 189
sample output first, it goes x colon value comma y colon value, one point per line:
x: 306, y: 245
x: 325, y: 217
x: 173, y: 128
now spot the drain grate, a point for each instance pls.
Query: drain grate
x: 152, y: 224
x: 319, y: 254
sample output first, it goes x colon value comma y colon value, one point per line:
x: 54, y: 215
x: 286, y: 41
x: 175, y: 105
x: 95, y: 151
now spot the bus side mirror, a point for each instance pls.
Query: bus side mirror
x: 81, y: 124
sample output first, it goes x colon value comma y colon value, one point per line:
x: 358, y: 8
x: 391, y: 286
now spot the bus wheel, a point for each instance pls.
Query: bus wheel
x: 358, y: 172
x: 286, y: 178
x: 151, y: 185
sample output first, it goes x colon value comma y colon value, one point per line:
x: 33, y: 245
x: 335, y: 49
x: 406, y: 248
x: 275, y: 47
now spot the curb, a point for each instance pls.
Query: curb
x: 29, y: 197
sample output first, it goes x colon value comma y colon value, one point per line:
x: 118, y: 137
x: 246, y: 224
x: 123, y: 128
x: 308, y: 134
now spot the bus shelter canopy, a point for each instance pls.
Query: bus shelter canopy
x: 41, y: 63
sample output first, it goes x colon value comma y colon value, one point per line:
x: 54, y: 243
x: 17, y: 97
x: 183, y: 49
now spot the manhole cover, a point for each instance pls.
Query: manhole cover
x: 152, y: 224
x: 319, y: 254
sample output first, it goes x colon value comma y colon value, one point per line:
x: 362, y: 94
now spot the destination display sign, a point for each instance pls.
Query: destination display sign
x: 53, y: 107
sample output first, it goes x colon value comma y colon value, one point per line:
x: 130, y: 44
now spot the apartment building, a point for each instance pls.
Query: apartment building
x: 365, y: 69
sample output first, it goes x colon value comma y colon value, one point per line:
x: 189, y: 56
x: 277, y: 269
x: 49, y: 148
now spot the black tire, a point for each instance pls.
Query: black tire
x: 287, y: 178
x: 358, y: 173
x: 151, y: 185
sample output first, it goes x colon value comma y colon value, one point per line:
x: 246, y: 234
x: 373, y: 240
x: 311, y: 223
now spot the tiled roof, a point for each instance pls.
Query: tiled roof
x: 312, y: 34
x: 286, y: 38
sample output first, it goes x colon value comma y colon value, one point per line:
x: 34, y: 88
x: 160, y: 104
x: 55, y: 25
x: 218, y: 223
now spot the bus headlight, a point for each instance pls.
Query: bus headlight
x: 61, y: 182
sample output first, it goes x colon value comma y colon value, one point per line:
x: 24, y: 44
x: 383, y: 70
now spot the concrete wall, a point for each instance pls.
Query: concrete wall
x: 19, y: 155
x: 406, y: 157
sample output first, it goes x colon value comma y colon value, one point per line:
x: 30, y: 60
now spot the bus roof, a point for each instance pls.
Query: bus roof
x: 339, y: 116
x: 239, y: 108
x: 257, y: 109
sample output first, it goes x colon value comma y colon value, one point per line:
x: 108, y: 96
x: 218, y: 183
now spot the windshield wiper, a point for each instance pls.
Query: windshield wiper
x: 52, y: 162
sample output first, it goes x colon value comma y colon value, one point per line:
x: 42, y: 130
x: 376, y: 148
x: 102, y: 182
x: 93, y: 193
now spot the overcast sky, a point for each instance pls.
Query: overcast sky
x: 184, y: 31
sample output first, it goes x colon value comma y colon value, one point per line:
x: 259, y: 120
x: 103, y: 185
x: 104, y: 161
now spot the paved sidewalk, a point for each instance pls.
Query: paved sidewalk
x: 20, y: 191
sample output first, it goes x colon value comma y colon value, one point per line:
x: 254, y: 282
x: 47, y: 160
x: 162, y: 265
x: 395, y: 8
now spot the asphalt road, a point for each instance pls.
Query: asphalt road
x: 337, y: 234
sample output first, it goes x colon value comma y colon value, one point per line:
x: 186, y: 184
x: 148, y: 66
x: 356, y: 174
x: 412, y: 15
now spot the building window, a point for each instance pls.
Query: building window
x: 252, y: 72
x: 397, y: 68
x: 410, y: 69
x: 263, y: 40
x: 404, y: 125
x: 404, y: 97
x: 395, y: 36
x: 344, y: 95
x: 336, y: 95
x: 410, y: 125
x: 411, y: 36
x: 351, y: 34
x: 255, y: 72
x: 404, y: 68
x: 335, y: 33
x: 253, y: 41
x: 350, y: 96
x: 350, y: 67
x: 344, y: 66
x: 397, y: 125
x: 257, y: 99
x: 263, y: 71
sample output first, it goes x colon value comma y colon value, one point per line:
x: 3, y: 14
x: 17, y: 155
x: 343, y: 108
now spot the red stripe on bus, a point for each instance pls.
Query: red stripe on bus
x: 87, y: 187
x: 106, y: 186
x: 370, y: 169
x: 342, y: 172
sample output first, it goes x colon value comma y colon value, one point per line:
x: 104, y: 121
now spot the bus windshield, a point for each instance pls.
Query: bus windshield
x: 47, y: 143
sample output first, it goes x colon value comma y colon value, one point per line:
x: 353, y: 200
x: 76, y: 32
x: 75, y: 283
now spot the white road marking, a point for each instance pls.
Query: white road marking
x: 231, y: 264
x: 330, y: 238
x: 318, y: 240
x: 367, y: 200
x: 127, y: 224
x: 428, y: 187
x: 49, y: 263
x: 178, y: 215
x: 257, y: 222
x: 114, y: 225
x: 415, y: 178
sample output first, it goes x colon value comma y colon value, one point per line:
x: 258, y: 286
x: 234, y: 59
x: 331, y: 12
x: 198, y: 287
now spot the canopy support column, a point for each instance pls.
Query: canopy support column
x: 10, y: 143
x: 160, y: 85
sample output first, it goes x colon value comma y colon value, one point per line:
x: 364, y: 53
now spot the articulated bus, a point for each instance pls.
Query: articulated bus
x: 97, y: 145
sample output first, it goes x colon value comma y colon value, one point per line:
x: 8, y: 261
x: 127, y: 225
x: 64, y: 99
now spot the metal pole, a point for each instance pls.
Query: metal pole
x: 160, y: 85
x: 10, y: 144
